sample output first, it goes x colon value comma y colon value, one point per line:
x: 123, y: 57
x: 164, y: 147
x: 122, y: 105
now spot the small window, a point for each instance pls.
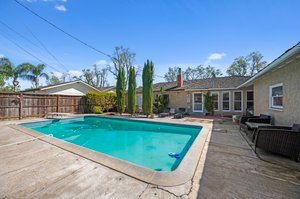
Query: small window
x: 276, y: 96
x: 215, y: 98
x: 226, y: 101
x: 238, y: 100
x: 250, y: 99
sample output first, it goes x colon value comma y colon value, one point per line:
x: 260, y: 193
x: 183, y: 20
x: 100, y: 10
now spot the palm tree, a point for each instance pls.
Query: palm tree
x: 35, y: 73
x: 9, y: 70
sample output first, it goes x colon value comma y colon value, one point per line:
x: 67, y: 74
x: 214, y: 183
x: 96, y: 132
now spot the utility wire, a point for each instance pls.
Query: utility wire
x: 48, y: 51
x: 29, y: 53
x: 44, y: 47
x: 60, y: 29
x: 10, y: 28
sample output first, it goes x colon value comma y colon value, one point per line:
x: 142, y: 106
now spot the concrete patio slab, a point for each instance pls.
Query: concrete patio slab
x: 228, y: 168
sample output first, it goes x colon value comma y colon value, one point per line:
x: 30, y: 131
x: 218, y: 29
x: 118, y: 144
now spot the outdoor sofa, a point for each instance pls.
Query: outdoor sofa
x: 262, y: 118
x: 283, y: 140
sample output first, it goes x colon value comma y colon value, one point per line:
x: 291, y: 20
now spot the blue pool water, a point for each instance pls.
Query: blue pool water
x: 144, y: 143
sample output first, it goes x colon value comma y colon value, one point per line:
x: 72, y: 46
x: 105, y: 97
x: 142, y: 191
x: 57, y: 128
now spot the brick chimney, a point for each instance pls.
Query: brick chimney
x: 179, y: 79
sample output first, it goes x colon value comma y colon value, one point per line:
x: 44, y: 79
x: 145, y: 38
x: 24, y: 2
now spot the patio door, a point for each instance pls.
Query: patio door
x: 197, y: 102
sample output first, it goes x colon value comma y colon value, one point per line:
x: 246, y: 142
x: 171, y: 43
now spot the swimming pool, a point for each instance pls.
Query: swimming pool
x: 147, y: 144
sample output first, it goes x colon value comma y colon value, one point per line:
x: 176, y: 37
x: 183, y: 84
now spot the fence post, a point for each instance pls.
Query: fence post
x: 57, y: 105
x: 20, y: 105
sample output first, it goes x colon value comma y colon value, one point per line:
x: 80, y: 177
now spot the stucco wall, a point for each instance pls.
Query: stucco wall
x: 76, y: 89
x: 289, y: 75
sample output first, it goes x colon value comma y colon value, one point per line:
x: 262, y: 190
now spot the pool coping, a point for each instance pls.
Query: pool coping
x: 182, y: 174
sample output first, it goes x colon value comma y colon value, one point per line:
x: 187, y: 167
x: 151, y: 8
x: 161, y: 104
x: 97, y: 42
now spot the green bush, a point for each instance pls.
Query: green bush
x: 106, y: 101
x: 97, y: 110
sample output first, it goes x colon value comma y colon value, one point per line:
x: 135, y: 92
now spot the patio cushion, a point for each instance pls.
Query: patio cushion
x: 263, y: 116
x: 296, y: 127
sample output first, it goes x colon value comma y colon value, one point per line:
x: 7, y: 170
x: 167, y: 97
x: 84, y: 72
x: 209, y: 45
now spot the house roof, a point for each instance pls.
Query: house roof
x: 107, y: 89
x: 230, y: 82
x: 60, y: 84
x: 287, y: 57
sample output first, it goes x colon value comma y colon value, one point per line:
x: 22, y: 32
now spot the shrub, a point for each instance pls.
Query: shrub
x: 97, y: 110
x: 208, y: 103
x: 106, y: 101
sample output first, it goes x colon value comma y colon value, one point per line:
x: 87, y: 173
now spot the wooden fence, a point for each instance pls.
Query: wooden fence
x: 23, y: 105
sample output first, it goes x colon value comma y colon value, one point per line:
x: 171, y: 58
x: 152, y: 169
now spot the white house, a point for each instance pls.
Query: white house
x: 75, y: 88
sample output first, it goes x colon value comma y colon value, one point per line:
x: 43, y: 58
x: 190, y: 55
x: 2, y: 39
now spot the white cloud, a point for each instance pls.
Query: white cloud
x: 216, y: 56
x: 73, y: 73
x: 61, y: 8
x: 101, y: 62
x: 1, y: 56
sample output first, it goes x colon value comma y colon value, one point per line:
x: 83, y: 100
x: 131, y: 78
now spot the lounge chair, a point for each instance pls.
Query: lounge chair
x: 282, y: 140
x: 181, y: 113
x: 262, y: 118
x: 166, y: 113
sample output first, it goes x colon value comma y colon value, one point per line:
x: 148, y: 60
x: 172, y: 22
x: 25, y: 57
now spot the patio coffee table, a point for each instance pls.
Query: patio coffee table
x: 254, y: 126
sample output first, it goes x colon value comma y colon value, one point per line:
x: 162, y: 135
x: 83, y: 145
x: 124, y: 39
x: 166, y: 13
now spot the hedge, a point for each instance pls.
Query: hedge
x: 100, y: 100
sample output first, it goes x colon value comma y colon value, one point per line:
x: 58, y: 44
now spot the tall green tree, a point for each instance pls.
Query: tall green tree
x: 148, y: 72
x: 35, y: 73
x: 132, y: 91
x: 238, y: 67
x: 121, y: 91
x: 8, y: 70
x: 255, y: 62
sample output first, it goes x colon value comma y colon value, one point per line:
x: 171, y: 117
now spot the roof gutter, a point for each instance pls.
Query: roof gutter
x: 276, y: 63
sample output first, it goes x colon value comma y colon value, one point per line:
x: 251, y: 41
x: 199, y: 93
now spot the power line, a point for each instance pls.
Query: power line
x: 48, y: 51
x: 63, y: 31
x: 44, y: 47
x: 10, y: 28
x: 29, y: 53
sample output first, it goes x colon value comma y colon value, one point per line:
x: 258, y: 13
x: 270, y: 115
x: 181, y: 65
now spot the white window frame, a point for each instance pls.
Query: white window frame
x: 271, y: 106
x: 215, y: 92
x: 228, y: 100
x: 193, y: 101
x: 238, y: 91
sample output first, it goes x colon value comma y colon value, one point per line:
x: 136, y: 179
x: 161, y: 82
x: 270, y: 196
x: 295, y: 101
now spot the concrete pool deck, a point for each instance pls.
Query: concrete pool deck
x: 227, y: 168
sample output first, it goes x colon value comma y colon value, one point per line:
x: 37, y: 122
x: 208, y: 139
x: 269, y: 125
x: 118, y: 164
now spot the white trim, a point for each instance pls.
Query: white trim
x: 242, y: 107
x: 67, y: 83
x: 216, y: 92
x: 228, y: 101
x: 271, y: 106
x: 197, y: 111
x: 209, y: 89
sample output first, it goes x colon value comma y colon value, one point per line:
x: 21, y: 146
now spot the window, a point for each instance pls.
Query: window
x: 226, y: 100
x: 215, y: 98
x: 276, y: 96
x: 238, y: 101
x: 250, y: 100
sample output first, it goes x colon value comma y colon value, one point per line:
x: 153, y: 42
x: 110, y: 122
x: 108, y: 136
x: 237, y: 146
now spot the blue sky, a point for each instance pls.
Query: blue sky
x: 169, y: 32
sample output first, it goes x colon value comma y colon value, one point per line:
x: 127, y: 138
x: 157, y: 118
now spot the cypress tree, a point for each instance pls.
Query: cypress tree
x: 132, y: 91
x: 148, y: 71
x: 121, y: 91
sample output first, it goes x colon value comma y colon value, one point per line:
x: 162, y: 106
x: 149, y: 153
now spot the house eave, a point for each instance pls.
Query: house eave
x: 278, y: 63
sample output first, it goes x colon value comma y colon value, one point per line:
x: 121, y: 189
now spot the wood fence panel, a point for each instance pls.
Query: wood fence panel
x: 17, y: 105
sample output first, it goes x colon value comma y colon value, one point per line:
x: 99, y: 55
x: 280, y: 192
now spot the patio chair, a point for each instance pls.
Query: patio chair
x: 166, y: 113
x: 262, y: 118
x: 180, y: 114
x: 281, y: 140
